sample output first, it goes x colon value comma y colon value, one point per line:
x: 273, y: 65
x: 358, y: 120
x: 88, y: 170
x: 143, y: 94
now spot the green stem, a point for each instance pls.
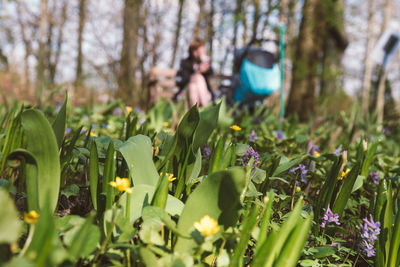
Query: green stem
x: 28, y: 240
x: 109, y: 233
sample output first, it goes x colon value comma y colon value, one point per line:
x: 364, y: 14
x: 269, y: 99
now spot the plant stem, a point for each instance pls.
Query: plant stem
x: 28, y: 240
x: 109, y: 232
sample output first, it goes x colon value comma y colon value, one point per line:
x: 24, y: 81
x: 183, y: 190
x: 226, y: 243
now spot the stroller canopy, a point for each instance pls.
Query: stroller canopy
x: 259, y: 75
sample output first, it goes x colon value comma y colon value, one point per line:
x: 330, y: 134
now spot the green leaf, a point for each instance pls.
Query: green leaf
x: 59, y: 122
x: 109, y: 175
x: 71, y: 190
x: 41, y: 142
x: 395, y: 243
x: 137, y: 152
x: 207, y: 123
x: 322, y: 252
x: 359, y: 183
x: 346, y: 189
x: 82, y: 240
x: 141, y: 197
x: 218, y: 197
x: 288, y: 165
x: 93, y: 173
x: 10, y: 225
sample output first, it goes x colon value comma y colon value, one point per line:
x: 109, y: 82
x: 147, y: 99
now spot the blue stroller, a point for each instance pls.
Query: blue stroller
x: 256, y: 75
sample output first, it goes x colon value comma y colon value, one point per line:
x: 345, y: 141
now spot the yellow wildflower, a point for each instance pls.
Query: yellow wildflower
x: 121, y: 184
x: 128, y: 110
x: 31, y: 217
x: 169, y: 175
x: 92, y: 134
x: 165, y: 124
x: 207, y: 226
x: 235, y: 127
x: 344, y: 173
x: 317, y: 154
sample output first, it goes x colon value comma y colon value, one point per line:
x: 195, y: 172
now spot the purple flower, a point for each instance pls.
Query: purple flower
x: 338, y: 151
x: 248, y: 155
x: 104, y: 125
x: 206, y: 151
x: 94, y: 126
x: 370, y: 231
x: 374, y: 177
x: 329, y: 216
x: 68, y: 130
x: 386, y: 131
x: 253, y: 136
x: 303, y: 172
x: 368, y: 248
x: 142, y: 120
x: 313, y: 149
x: 117, y: 111
x: 58, y: 106
x: 279, y: 135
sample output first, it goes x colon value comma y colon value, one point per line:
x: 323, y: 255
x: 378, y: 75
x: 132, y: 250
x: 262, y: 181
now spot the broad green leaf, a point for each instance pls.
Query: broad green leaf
x: 141, y: 196
x: 218, y: 197
x: 290, y: 253
x: 137, y: 152
x: 82, y: 240
x: 207, y: 123
x: 41, y: 142
x: 395, y: 243
x: 109, y: 175
x: 59, y: 122
x: 23, y: 155
x: 359, y: 183
x: 10, y: 224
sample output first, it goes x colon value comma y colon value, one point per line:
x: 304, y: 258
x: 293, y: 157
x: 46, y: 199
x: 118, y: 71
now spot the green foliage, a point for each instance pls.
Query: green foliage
x: 198, y: 194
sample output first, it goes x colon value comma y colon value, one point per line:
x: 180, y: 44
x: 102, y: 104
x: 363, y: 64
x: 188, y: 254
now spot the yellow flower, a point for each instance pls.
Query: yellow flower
x: 165, y: 124
x: 344, y: 173
x: 92, y: 134
x: 121, y: 184
x: 128, y: 110
x: 170, y: 176
x: 207, y: 226
x: 235, y: 127
x: 317, y: 154
x: 31, y: 217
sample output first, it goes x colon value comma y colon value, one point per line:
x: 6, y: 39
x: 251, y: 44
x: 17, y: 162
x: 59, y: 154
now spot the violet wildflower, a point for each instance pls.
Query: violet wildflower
x: 142, y: 120
x: 314, y: 149
x: 206, y: 151
x: 248, y: 155
x: 58, y: 106
x: 338, y: 151
x: 370, y: 230
x: 374, y: 177
x: 104, y: 125
x: 68, y: 130
x: 253, y: 136
x: 329, y: 216
x: 303, y: 172
x: 279, y: 135
x: 386, y: 131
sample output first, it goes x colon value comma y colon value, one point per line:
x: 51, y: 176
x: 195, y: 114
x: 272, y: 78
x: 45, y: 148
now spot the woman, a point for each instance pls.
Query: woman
x: 194, y: 72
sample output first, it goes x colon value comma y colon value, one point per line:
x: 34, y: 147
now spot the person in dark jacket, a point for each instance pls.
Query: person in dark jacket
x: 194, y: 72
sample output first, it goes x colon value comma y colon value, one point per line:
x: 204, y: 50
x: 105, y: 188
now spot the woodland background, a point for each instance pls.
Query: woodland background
x: 106, y: 48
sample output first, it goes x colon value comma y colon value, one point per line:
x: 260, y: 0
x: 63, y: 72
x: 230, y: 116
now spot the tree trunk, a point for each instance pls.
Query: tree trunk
x: 28, y: 50
x: 40, y: 79
x: 366, y: 85
x: 54, y: 55
x: 199, y: 28
x: 79, y: 58
x: 211, y: 31
x: 380, y: 99
x: 334, y: 44
x: 302, y: 88
x: 177, y: 33
x: 256, y: 17
x: 127, y: 87
x: 236, y: 19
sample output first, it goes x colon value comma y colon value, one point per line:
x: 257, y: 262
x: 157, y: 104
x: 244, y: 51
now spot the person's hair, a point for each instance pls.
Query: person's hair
x: 194, y: 45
